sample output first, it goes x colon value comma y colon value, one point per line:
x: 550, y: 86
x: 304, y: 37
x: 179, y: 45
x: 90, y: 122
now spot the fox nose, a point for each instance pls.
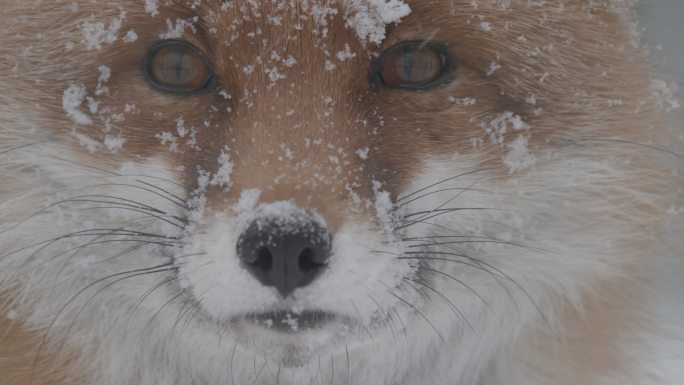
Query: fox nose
x: 287, y: 253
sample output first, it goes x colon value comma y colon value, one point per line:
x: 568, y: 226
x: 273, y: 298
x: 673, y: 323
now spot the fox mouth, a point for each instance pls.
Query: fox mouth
x: 286, y: 321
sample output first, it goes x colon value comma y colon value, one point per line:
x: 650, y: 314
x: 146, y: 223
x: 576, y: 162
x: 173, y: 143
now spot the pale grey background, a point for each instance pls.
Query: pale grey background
x: 663, y: 23
x: 663, y: 26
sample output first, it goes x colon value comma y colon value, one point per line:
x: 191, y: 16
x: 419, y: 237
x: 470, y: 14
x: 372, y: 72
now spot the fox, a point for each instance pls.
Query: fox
x: 210, y: 192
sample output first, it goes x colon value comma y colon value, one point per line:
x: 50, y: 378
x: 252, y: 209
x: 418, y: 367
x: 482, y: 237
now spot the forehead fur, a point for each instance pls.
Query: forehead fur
x: 294, y: 73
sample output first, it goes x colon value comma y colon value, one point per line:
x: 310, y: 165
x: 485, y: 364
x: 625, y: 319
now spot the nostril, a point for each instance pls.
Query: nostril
x: 287, y: 254
x: 307, y: 261
x: 264, y: 260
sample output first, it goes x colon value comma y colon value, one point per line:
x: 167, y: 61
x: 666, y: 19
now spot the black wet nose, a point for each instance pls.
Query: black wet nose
x: 285, y: 252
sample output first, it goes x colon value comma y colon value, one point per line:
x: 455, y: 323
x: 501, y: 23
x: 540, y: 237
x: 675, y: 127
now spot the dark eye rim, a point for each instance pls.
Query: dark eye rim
x: 209, y: 85
x: 448, y: 66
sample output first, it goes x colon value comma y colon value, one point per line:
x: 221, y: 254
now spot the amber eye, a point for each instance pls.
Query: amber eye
x: 178, y: 66
x: 416, y: 65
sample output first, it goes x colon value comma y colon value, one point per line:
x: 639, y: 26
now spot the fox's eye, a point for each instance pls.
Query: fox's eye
x: 178, y: 66
x: 416, y: 65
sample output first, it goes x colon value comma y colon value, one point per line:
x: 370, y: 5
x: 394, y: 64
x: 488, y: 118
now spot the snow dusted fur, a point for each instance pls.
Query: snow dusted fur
x: 493, y: 230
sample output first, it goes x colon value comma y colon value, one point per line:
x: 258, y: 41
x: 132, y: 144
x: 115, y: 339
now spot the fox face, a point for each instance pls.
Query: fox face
x: 354, y: 192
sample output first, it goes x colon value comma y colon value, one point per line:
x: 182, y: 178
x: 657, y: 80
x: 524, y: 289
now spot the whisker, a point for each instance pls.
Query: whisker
x: 460, y: 282
x: 181, y: 205
x: 84, y: 198
x: 412, y: 306
x: 232, y: 360
x: 440, y: 206
x: 167, y: 303
x: 346, y: 349
x: 358, y: 313
x: 498, y: 271
x: 3, y: 152
x: 403, y: 325
x: 99, y: 198
x: 492, y: 241
x: 149, y: 292
x: 437, y: 192
x: 382, y: 312
x: 444, y: 211
x: 449, y: 303
x: 399, y: 199
x: 128, y: 274
x: 332, y: 368
x: 624, y: 141
x: 256, y: 379
x: 147, y: 215
x: 165, y: 191
x: 48, y: 242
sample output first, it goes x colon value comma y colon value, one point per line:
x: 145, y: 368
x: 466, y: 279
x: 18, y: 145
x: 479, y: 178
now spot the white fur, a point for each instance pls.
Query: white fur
x: 164, y: 340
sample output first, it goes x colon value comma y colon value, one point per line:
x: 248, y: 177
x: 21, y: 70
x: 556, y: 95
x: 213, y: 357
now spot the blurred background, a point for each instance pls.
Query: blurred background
x: 663, y: 27
x: 662, y: 23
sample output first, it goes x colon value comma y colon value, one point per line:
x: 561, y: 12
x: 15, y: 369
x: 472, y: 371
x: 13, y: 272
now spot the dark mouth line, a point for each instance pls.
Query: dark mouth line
x: 290, y: 321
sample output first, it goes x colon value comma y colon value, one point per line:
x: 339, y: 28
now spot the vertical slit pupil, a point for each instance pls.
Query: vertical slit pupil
x: 181, y: 66
x: 407, y: 63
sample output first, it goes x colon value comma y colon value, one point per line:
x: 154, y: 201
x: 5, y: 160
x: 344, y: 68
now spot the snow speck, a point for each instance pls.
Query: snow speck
x: 130, y: 37
x: 167, y: 137
x: 362, y: 153
x: 247, y: 201
x: 493, y: 67
x: 95, y: 34
x: 518, y: 157
x: 73, y: 98
x: 462, y: 101
x: 345, y: 55
x: 222, y: 176
x: 130, y: 108
x: 12, y: 315
x: 273, y: 74
x: 180, y: 127
x: 287, y: 215
x: 290, y: 61
x: 370, y: 17
x: 176, y: 30
x: 105, y: 74
x: 486, y: 26
x: 114, y: 143
x: 292, y: 323
x: 503, y: 123
x: 86, y: 141
x: 384, y: 207
x: 93, y: 105
x: 151, y: 7
x: 198, y: 200
x: 664, y: 95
